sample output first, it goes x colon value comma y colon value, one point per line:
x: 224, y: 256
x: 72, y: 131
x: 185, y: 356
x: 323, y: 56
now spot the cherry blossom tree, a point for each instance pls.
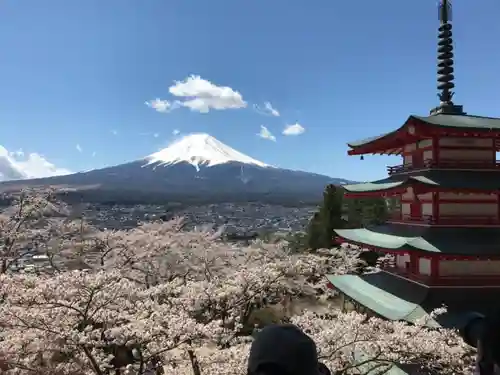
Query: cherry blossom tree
x: 379, y: 344
x: 157, y: 299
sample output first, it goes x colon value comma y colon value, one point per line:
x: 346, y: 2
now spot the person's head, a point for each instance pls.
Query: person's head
x: 490, y: 336
x: 284, y: 350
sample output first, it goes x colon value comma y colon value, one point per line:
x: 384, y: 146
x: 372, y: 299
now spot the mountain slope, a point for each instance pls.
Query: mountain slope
x: 195, y: 166
x: 200, y: 149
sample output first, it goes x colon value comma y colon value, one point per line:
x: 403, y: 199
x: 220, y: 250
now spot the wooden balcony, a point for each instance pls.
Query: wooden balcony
x: 446, y: 164
x: 456, y: 280
x: 447, y: 220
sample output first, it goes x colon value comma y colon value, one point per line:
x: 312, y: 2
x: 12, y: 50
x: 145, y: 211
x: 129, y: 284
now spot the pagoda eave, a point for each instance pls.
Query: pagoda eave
x: 380, y: 249
x: 469, y: 242
x: 375, y: 194
x: 417, y: 128
x: 428, y: 180
x: 422, y: 188
x: 342, y: 240
x: 396, y: 298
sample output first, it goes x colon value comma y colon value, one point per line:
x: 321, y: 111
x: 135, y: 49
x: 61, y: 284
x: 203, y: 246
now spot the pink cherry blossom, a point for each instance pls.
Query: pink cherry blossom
x: 157, y: 297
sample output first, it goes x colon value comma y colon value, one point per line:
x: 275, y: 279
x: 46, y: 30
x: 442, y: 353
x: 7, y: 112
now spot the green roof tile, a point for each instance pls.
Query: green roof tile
x: 461, y: 121
x: 361, y: 142
x: 396, y: 298
x: 369, y: 290
x: 381, y: 185
x: 450, y: 179
x: 385, y: 241
x: 446, y: 240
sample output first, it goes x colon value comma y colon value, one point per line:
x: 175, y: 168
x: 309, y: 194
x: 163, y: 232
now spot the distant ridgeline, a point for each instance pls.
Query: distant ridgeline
x: 133, y: 197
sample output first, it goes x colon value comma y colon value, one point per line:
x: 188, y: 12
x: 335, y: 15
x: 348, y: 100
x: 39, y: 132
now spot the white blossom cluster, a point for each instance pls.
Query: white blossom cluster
x: 155, y: 300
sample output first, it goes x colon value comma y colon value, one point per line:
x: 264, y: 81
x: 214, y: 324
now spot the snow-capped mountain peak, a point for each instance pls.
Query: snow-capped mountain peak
x: 200, y: 149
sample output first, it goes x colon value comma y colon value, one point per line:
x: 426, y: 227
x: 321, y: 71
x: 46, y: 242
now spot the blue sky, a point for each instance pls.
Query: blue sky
x: 75, y: 72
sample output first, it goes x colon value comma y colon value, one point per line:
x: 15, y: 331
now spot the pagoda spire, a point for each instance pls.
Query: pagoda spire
x: 445, y: 62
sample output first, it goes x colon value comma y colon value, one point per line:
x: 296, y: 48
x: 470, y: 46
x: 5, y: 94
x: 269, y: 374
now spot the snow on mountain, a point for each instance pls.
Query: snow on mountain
x: 18, y: 166
x: 200, y: 149
x: 196, y: 167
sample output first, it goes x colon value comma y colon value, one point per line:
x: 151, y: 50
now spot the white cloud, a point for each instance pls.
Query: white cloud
x: 175, y: 131
x: 295, y: 129
x: 199, y: 95
x: 268, y: 109
x: 19, y: 165
x: 162, y: 106
x: 266, y: 134
x: 156, y: 135
x: 94, y: 154
x: 78, y: 148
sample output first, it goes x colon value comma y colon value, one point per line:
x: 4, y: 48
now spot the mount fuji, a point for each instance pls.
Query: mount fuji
x: 196, y: 167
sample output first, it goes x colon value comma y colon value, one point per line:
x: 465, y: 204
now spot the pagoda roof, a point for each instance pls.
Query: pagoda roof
x: 461, y: 121
x: 466, y: 241
x: 447, y: 179
x: 447, y: 122
x: 396, y: 298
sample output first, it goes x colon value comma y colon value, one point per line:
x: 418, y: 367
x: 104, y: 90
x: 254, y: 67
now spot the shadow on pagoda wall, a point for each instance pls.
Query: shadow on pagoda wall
x: 445, y: 164
x: 448, y: 153
x: 462, y: 242
x: 446, y: 220
x: 452, y: 281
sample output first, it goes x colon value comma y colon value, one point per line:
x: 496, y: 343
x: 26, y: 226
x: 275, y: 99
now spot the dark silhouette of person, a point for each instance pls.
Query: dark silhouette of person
x: 488, y: 345
x: 284, y: 350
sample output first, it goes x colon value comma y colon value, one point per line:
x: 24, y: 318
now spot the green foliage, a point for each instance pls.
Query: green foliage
x: 320, y: 231
x: 367, y: 211
x: 331, y: 213
x: 297, y: 242
x: 360, y: 212
x: 315, y: 232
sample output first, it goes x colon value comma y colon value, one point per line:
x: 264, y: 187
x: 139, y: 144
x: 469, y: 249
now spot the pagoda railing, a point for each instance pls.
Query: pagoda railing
x: 446, y: 164
x: 447, y: 219
x: 455, y: 280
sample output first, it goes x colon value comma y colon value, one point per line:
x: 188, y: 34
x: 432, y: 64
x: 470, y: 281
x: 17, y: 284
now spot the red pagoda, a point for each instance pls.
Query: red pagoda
x: 445, y: 237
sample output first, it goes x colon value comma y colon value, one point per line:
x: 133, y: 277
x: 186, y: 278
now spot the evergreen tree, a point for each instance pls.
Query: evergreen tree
x: 367, y: 211
x: 379, y: 210
x: 331, y: 214
x: 321, y: 228
x: 355, y: 212
x: 314, y: 232
x: 361, y: 212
